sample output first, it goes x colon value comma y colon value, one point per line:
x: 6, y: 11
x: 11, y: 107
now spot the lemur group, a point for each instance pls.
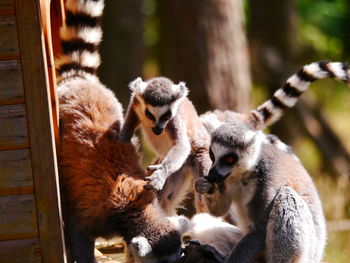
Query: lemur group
x: 236, y: 172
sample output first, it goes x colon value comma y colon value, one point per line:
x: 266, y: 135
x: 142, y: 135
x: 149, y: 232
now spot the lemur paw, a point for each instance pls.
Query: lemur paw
x: 157, y: 178
x: 203, y: 186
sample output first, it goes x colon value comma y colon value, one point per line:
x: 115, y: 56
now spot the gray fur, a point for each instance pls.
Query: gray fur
x: 260, y: 185
x: 182, y: 145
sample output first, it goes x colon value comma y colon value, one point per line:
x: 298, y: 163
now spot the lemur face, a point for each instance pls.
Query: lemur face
x: 160, y: 98
x: 158, y: 117
x: 234, y: 149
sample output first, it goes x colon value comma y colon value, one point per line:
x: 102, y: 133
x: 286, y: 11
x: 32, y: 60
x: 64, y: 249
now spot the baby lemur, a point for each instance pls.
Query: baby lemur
x: 171, y: 124
x: 101, y: 178
x: 276, y: 203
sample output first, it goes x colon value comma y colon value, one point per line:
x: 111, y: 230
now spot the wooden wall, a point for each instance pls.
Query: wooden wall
x: 30, y: 214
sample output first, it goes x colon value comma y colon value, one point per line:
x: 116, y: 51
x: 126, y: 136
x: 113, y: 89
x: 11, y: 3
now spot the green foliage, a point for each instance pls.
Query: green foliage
x: 323, y: 26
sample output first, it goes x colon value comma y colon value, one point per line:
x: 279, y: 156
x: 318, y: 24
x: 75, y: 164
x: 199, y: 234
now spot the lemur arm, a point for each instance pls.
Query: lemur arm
x: 248, y: 247
x: 179, y: 153
x: 131, y: 123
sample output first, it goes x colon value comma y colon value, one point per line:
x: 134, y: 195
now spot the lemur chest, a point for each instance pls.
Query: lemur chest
x: 243, y: 191
x: 162, y: 143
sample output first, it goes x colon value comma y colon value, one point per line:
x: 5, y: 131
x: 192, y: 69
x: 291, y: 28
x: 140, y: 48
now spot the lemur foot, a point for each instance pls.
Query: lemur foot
x: 157, y: 178
x: 203, y: 186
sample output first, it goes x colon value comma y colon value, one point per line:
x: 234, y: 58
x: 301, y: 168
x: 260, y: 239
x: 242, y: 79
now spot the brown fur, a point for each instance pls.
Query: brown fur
x: 101, y: 178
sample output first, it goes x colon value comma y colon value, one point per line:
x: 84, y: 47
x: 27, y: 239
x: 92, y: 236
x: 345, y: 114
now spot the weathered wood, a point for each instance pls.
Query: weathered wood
x: 11, y: 83
x: 6, y: 7
x: 20, y: 251
x: 15, y: 172
x: 17, y: 217
x: 43, y: 151
x: 13, y: 132
x: 8, y: 36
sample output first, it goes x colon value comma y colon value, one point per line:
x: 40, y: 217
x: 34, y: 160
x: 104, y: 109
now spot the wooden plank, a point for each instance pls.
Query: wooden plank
x: 20, y: 251
x: 17, y: 217
x: 15, y: 172
x: 8, y: 36
x: 40, y: 124
x: 13, y: 132
x: 11, y: 83
x: 6, y: 7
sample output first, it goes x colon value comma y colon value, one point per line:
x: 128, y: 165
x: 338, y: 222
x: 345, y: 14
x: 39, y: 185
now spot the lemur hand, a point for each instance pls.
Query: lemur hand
x: 203, y: 186
x: 157, y: 178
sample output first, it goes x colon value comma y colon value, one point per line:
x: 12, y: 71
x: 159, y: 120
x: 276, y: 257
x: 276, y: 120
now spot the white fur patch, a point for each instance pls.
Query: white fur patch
x: 141, y: 246
x: 314, y: 70
x: 85, y: 58
x: 90, y: 35
x: 297, y: 83
x: 337, y: 69
x: 287, y: 100
x: 254, y: 151
x: 180, y: 88
x: 92, y: 8
x: 210, y: 122
x: 138, y: 86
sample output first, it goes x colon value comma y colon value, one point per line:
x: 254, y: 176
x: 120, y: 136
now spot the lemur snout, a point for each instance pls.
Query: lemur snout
x: 157, y: 130
x: 215, y: 177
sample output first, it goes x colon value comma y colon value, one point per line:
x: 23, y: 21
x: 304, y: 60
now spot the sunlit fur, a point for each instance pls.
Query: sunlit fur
x: 276, y: 203
x: 102, y: 181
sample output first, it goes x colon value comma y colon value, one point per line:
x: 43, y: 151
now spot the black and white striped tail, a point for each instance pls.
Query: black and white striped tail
x: 287, y: 96
x: 80, y: 37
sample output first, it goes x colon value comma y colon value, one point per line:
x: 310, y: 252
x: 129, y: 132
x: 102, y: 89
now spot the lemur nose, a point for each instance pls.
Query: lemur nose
x: 157, y: 130
x: 215, y: 177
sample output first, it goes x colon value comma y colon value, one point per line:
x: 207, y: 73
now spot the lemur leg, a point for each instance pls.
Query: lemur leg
x: 82, y: 246
x: 290, y: 230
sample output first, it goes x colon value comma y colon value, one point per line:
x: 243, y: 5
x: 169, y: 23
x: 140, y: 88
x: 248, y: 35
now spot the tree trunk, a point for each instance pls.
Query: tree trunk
x: 122, y: 49
x: 202, y: 42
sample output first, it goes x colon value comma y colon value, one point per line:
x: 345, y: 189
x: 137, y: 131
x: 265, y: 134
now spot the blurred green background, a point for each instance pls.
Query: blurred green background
x: 233, y: 54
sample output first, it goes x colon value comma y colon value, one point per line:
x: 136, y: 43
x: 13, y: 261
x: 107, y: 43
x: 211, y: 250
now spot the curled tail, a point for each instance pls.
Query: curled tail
x: 80, y: 35
x: 287, y: 96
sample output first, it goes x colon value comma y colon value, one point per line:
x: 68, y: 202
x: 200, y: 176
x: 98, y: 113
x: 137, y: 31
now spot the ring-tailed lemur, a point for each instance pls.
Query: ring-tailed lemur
x: 276, y: 203
x: 172, y: 126
x: 264, y: 176
x: 101, y: 178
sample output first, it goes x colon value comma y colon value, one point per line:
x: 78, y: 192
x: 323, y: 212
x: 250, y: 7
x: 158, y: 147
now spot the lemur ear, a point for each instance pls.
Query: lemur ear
x: 140, y: 246
x: 211, y: 122
x: 180, y: 90
x: 138, y: 86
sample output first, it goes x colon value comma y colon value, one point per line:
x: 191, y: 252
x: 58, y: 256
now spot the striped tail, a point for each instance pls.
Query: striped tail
x: 287, y: 96
x: 80, y: 38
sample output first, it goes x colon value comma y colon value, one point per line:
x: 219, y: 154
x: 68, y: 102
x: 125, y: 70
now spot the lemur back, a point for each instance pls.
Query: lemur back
x: 101, y: 178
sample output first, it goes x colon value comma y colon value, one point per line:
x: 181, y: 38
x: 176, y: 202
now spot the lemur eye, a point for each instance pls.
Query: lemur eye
x: 166, y: 116
x: 211, y: 155
x: 149, y: 115
x: 230, y: 159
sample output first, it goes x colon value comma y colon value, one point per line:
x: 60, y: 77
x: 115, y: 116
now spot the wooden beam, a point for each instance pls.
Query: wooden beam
x: 13, y: 123
x: 20, y: 251
x: 11, y: 83
x: 41, y: 134
x: 16, y: 172
x: 18, y: 217
x: 8, y: 33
